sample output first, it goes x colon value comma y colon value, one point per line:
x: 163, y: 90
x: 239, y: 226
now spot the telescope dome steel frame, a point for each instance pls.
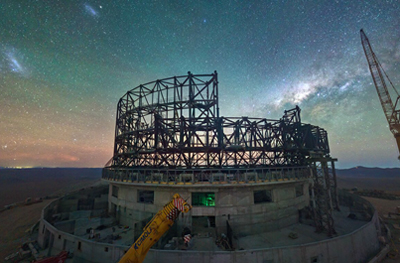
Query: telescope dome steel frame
x: 174, y: 124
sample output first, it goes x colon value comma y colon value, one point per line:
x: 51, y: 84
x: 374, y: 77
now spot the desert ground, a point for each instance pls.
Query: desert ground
x: 15, y: 224
x: 18, y: 185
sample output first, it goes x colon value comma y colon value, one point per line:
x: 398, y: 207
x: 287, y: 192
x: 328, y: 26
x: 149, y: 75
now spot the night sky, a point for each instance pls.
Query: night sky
x: 65, y: 64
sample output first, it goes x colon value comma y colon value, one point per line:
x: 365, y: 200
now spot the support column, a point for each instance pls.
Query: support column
x: 324, y: 193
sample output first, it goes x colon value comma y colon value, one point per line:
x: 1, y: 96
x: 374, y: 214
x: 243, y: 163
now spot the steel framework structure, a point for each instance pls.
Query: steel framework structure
x: 170, y: 131
x: 174, y: 123
x: 324, y: 197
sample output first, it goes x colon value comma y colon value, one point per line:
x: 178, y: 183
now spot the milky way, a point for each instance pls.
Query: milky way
x: 65, y: 64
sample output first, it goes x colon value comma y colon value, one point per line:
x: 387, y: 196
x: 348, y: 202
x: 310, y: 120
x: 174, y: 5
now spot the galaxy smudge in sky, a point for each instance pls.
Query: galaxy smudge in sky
x: 65, y: 64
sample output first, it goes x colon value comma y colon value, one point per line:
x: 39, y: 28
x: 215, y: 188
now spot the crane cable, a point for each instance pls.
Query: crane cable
x: 385, y: 74
x: 394, y: 88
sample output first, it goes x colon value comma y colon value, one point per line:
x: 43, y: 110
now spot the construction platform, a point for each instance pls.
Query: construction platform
x: 94, y: 236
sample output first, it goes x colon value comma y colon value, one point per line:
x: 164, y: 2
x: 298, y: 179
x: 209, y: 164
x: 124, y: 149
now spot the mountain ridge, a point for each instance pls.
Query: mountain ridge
x: 373, y: 172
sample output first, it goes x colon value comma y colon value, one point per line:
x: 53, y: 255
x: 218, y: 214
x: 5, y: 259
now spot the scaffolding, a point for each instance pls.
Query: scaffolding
x: 174, y: 123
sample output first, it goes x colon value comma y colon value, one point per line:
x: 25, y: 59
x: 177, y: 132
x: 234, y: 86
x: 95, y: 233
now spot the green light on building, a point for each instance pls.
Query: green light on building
x: 203, y: 199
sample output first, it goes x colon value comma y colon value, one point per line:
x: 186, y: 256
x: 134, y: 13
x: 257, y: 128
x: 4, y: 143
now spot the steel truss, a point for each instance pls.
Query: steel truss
x: 324, y: 197
x: 169, y: 132
x: 174, y: 123
x: 214, y: 176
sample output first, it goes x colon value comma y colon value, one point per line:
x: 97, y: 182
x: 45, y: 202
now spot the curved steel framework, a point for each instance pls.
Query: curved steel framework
x: 174, y: 123
x: 170, y: 131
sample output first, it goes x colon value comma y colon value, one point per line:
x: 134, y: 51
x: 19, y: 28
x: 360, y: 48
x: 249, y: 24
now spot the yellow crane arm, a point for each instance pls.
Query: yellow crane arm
x: 154, y: 230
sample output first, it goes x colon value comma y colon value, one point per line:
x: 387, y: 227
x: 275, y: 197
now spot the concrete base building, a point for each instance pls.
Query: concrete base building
x: 270, y: 231
x: 249, y: 208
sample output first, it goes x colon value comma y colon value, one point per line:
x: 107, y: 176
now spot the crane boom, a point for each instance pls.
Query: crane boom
x: 154, y: 230
x: 390, y: 109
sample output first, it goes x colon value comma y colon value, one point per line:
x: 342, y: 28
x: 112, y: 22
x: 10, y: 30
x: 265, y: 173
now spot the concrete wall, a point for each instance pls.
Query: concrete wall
x: 84, y: 250
x: 234, y: 203
x: 355, y: 247
x: 63, y: 214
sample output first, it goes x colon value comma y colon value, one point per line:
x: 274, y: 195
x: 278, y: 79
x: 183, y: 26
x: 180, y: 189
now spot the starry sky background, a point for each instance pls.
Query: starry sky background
x: 65, y: 64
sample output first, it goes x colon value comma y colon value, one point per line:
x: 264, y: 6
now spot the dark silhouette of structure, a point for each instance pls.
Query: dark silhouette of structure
x: 170, y: 131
